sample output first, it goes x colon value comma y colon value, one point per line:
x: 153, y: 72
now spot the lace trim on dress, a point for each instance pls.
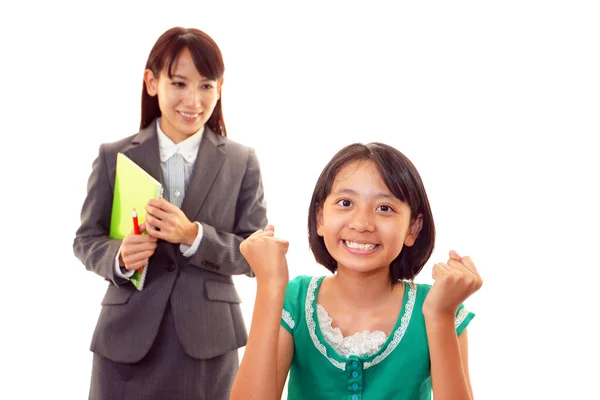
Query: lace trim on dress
x: 310, y: 297
x: 408, y: 309
x: 365, y: 343
x: 287, y: 317
x: 462, y: 314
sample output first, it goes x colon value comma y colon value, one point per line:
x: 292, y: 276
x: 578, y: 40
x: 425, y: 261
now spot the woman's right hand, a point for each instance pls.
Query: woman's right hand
x: 266, y: 255
x: 136, y: 250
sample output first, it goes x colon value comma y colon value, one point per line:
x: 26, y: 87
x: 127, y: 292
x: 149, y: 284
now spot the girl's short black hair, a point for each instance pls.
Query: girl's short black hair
x: 403, y: 180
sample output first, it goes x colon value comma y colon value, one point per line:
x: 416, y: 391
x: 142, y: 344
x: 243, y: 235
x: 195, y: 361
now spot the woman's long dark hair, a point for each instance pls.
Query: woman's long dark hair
x: 207, y: 59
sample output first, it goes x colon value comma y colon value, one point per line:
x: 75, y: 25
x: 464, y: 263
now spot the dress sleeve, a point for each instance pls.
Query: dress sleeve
x: 290, y: 312
x: 462, y: 319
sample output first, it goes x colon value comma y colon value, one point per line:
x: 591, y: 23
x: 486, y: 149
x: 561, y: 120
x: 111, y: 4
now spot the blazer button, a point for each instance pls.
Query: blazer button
x: 170, y: 266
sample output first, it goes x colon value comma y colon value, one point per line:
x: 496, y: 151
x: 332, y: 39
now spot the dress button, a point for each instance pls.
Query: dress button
x: 355, y: 386
x: 170, y: 266
x: 177, y: 193
x: 355, y: 374
x: 354, y: 364
x: 354, y: 397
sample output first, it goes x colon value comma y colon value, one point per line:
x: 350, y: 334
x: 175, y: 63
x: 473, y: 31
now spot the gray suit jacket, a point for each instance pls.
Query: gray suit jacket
x: 226, y: 196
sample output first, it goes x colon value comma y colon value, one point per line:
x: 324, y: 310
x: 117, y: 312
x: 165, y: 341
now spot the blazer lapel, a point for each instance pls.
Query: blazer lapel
x: 144, y: 151
x: 208, y: 163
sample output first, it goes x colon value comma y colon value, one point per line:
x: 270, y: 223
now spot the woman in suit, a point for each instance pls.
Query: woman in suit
x: 178, y: 337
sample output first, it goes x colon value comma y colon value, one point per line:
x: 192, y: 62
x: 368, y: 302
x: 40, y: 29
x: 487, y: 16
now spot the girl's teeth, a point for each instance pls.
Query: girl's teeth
x: 359, y: 246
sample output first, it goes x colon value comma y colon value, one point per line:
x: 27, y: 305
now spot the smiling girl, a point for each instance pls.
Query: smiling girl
x: 368, y: 331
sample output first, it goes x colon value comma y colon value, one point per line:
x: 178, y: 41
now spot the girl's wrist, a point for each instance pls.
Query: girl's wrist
x: 438, y: 317
x: 271, y: 285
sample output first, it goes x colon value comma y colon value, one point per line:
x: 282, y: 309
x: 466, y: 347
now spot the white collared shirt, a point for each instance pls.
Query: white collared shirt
x: 177, y: 163
x: 188, y: 149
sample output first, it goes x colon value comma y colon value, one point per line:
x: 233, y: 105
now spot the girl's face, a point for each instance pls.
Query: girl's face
x: 363, y: 225
x: 186, y: 100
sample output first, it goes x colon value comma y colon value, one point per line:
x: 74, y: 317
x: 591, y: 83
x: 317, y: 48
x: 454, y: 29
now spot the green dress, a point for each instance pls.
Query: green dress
x: 399, y: 370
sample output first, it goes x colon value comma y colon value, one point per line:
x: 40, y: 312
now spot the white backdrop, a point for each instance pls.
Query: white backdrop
x: 496, y: 103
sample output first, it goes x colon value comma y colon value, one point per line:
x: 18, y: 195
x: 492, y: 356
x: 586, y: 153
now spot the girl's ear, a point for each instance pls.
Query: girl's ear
x: 151, y: 82
x: 319, y: 221
x: 413, y: 231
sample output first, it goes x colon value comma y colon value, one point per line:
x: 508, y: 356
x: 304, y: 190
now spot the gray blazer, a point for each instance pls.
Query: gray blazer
x: 226, y: 196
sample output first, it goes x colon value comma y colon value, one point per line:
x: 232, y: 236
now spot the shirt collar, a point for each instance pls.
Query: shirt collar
x: 188, y: 148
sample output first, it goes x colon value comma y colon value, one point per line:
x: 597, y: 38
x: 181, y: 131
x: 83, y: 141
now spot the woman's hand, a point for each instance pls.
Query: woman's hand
x: 136, y: 250
x: 173, y: 225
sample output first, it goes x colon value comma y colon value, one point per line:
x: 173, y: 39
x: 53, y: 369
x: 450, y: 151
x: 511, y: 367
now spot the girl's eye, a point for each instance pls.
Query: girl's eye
x: 385, y: 208
x: 345, y: 203
x: 207, y: 86
x: 179, y: 84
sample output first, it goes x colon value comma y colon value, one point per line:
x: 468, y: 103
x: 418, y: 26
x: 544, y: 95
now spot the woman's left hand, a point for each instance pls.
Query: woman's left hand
x: 454, y: 282
x: 173, y: 225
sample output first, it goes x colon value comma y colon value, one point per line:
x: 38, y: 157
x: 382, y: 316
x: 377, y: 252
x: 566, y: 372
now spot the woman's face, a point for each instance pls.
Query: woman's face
x: 186, y: 100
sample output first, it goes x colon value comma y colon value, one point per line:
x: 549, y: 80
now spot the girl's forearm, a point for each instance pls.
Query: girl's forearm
x: 448, y: 377
x: 257, y: 376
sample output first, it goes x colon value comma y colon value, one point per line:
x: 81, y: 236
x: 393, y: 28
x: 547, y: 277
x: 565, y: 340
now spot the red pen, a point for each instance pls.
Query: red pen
x: 136, y: 226
x: 136, y: 229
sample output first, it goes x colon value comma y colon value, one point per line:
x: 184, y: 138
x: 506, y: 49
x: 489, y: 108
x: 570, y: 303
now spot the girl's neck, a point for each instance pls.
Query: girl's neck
x: 362, y: 290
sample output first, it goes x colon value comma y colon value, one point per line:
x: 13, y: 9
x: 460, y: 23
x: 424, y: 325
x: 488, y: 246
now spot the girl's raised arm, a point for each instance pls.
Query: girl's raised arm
x: 449, y: 362
x: 454, y: 282
x: 270, y: 348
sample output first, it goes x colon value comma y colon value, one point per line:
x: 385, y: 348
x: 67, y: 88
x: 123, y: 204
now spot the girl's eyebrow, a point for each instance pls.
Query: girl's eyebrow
x: 355, y: 193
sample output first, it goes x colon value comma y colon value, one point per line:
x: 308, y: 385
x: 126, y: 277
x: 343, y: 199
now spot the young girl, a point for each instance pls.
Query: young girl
x: 368, y: 331
x: 178, y: 337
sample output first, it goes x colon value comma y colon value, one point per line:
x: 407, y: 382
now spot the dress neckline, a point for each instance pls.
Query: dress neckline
x: 338, y: 360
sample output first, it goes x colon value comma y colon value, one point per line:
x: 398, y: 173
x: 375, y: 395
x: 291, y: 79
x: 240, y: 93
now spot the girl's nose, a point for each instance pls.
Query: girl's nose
x: 362, y: 222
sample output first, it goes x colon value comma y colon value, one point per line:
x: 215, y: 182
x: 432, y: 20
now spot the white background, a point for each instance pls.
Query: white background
x: 496, y: 103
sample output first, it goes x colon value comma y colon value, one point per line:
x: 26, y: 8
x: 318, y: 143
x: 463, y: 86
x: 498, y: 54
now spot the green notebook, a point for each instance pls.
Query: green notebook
x: 133, y: 188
